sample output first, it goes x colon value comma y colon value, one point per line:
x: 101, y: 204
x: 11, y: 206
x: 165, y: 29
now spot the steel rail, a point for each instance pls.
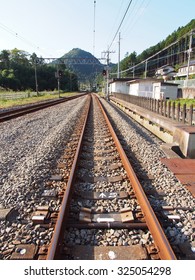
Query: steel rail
x: 55, y: 245
x: 164, y: 249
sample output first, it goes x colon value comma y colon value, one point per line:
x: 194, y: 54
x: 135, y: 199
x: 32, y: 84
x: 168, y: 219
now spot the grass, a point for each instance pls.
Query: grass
x: 101, y: 94
x: 44, y: 96
x: 55, y: 95
x: 186, y: 101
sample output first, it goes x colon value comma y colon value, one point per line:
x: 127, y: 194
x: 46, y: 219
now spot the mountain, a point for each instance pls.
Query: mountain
x: 84, y: 64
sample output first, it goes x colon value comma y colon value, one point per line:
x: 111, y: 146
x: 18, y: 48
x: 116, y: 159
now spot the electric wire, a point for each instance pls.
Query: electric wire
x: 136, y: 16
x: 153, y: 60
x: 94, y: 19
x: 12, y: 32
x: 147, y: 59
x: 16, y: 34
x: 116, y: 21
x: 120, y: 24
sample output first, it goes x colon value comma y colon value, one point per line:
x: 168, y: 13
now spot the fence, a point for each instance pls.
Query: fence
x: 16, y: 95
x: 171, y: 110
x: 184, y: 83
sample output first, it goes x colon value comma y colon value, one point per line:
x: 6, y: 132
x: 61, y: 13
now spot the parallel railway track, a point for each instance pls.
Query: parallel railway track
x: 104, y: 209
x: 14, y: 113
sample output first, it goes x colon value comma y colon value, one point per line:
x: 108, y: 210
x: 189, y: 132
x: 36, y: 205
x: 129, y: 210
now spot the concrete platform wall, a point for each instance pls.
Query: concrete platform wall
x: 167, y: 130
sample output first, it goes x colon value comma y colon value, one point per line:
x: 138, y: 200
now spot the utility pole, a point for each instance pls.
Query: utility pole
x: 58, y: 84
x: 107, y: 53
x: 57, y: 75
x: 118, y: 72
x: 146, y: 66
x: 36, y: 83
x: 189, y: 54
x: 133, y: 71
x: 94, y: 28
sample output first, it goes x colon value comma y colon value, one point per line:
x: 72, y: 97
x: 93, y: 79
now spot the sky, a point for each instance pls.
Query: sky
x: 51, y: 28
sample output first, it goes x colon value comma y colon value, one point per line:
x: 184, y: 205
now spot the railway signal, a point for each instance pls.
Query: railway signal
x: 104, y: 72
x: 58, y: 75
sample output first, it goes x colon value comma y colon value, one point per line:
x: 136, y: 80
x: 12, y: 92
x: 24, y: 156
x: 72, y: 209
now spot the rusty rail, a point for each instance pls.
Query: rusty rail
x: 161, y: 242
x: 164, y: 249
x: 54, y: 249
x: 14, y: 113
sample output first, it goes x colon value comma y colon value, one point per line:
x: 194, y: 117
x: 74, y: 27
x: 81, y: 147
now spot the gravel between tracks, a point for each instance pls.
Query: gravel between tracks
x: 146, y: 148
x: 30, y: 145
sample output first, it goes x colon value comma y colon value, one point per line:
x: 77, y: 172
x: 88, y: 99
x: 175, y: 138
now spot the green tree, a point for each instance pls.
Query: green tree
x: 19, y: 57
x: 17, y: 72
x: 4, y: 59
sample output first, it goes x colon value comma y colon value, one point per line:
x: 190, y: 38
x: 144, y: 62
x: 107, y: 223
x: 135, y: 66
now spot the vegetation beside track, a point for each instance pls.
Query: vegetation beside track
x: 187, y: 101
x: 43, y: 96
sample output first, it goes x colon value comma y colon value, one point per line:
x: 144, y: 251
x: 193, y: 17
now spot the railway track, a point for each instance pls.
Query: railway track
x: 18, y: 112
x: 103, y: 206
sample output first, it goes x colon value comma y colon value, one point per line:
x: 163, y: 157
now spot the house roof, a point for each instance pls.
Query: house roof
x: 144, y: 80
x: 166, y: 83
x: 165, y: 66
x: 192, y: 62
x: 114, y: 80
x: 137, y: 80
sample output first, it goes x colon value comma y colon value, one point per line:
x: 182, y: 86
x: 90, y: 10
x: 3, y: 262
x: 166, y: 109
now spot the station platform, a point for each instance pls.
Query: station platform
x: 184, y: 170
x: 179, y: 139
x: 175, y: 134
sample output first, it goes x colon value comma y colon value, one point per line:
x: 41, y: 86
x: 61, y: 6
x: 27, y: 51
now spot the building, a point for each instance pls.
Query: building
x: 167, y: 72
x: 163, y: 90
x: 119, y: 85
x: 183, y: 70
x: 141, y: 87
x: 153, y: 88
x: 150, y: 87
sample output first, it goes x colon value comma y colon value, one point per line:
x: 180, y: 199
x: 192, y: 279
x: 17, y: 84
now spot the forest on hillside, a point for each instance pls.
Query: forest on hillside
x: 20, y: 71
x: 174, y: 55
x: 84, y: 64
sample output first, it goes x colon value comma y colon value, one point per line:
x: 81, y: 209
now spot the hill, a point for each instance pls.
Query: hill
x: 83, y: 64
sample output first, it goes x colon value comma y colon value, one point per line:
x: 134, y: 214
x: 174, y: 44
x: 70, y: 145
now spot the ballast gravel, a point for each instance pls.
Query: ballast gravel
x: 146, y: 148
x: 30, y: 147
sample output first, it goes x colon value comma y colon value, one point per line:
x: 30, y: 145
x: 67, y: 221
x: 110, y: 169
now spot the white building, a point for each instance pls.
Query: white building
x: 163, y: 90
x: 141, y: 87
x: 153, y: 88
x: 150, y: 87
x: 119, y: 85
x: 166, y: 72
x: 183, y: 70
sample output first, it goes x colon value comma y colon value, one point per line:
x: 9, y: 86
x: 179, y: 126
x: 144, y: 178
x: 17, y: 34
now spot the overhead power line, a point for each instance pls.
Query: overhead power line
x: 115, y: 24
x: 136, y: 15
x: 120, y: 24
x: 149, y: 58
x: 94, y: 28
x: 15, y: 34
